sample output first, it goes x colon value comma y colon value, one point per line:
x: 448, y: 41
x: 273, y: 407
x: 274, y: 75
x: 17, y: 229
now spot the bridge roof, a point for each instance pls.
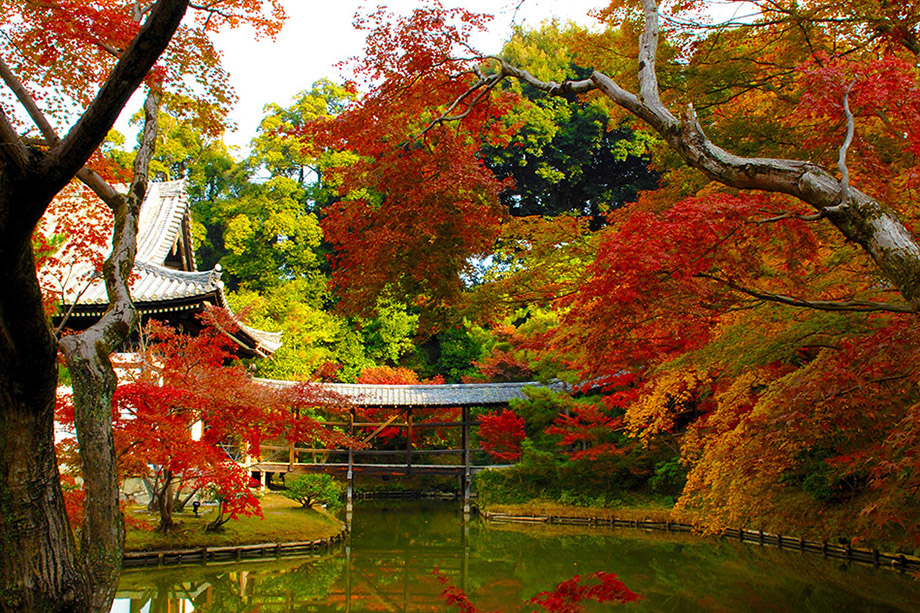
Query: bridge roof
x: 431, y: 396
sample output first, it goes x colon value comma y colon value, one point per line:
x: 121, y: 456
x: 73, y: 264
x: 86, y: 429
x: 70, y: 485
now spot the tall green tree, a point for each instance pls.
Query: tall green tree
x: 567, y: 156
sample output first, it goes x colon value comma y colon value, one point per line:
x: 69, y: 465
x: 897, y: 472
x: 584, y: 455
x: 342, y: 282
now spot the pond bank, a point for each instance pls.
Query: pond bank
x: 630, y: 518
x: 284, y: 525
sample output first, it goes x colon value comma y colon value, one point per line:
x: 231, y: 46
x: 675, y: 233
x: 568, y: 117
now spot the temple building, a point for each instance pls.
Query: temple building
x: 166, y: 286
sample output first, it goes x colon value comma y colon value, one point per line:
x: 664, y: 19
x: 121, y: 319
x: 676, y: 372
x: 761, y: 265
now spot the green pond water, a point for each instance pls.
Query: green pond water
x: 395, y: 548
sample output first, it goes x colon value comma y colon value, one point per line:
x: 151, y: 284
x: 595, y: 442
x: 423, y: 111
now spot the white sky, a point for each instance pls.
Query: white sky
x: 319, y: 34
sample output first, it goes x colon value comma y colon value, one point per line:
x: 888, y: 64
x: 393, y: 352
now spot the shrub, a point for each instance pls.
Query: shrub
x: 669, y: 478
x: 310, y: 490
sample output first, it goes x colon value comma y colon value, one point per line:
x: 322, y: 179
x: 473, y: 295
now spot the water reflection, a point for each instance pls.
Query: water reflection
x: 394, y: 548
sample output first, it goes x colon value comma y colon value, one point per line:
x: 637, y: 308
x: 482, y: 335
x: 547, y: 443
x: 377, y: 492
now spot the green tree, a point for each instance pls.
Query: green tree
x: 275, y: 153
x: 567, y: 156
x: 312, y: 490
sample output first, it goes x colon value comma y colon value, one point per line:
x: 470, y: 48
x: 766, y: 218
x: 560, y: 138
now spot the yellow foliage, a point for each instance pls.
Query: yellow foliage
x: 669, y: 394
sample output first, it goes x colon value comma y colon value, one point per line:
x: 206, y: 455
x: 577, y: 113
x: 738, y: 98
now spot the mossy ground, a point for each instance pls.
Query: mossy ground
x: 835, y: 525
x: 283, y: 521
x: 646, y: 511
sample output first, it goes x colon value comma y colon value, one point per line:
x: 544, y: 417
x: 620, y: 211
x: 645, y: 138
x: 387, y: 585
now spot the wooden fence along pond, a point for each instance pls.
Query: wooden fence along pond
x: 874, y: 557
x: 237, y: 553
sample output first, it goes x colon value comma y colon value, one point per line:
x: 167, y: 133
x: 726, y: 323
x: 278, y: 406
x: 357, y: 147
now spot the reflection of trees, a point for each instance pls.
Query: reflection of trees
x: 389, y: 567
x: 239, y: 588
x: 308, y: 582
x: 685, y: 572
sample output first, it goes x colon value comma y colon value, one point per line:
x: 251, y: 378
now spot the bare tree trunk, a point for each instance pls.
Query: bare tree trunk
x: 38, y: 571
x: 94, y: 381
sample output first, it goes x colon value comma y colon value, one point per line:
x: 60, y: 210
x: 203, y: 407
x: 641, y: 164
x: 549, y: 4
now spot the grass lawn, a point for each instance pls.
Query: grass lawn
x: 284, y: 521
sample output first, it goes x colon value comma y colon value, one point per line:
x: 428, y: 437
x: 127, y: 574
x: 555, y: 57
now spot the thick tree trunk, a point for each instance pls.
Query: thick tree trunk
x: 38, y: 568
x: 38, y: 571
x: 102, y: 536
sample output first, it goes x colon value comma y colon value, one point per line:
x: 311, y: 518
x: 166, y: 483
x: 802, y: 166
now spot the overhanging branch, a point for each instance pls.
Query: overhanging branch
x: 860, y: 306
x: 65, y: 159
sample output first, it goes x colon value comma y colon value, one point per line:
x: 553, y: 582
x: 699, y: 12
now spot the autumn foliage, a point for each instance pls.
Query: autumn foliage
x: 413, y: 206
x: 566, y: 597
x: 88, y: 37
x: 501, y: 434
x: 189, y: 415
x: 734, y: 325
x: 733, y: 334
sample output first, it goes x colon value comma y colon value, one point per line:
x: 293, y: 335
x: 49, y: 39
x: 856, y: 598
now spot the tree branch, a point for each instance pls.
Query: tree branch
x: 12, y: 150
x: 842, y: 158
x: 28, y: 103
x: 820, y: 305
x: 784, y: 216
x: 65, y: 159
x: 860, y: 218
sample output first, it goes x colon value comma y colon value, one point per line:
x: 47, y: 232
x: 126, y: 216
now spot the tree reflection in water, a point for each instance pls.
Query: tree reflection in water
x: 388, y: 565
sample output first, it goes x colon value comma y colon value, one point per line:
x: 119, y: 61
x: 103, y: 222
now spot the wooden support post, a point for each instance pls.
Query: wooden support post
x: 291, y: 457
x: 349, y: 478
x: 467, y: 473
x: 409, y: 441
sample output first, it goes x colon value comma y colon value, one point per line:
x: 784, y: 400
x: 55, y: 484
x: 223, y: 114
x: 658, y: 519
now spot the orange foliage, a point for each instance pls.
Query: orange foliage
x: 63, y: 50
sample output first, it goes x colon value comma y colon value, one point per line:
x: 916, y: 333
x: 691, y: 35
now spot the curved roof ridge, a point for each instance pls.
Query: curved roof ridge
x: 204, y: 277
x: 160, y: 219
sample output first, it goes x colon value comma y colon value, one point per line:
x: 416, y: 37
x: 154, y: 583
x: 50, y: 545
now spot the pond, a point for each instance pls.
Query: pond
x: 396, y: 548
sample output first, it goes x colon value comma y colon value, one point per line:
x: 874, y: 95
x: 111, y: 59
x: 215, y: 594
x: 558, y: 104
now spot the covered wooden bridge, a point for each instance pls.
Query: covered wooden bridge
x: 403, y: 407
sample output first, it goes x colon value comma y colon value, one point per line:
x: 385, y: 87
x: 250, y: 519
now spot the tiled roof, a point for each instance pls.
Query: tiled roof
x: 160, y: 221
x: 267, y: 342
x: 155, y: 287
x: 155, y: 283
x: 462, y: 394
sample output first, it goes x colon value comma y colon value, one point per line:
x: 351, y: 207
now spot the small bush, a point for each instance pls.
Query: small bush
x: 669, y: 478
x: 310, y: 490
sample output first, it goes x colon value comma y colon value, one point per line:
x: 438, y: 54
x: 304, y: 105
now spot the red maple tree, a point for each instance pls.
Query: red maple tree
x: 191, y: 414
x: 500, y: 434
